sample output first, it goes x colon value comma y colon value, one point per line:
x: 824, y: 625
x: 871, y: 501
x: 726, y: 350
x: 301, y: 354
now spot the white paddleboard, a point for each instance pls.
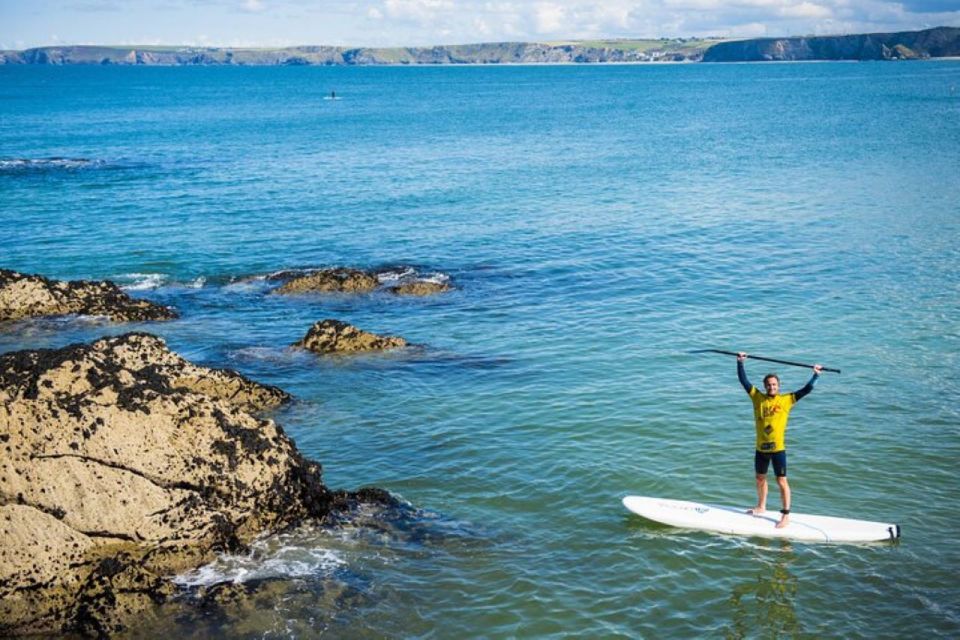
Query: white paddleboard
x: 707, y: 517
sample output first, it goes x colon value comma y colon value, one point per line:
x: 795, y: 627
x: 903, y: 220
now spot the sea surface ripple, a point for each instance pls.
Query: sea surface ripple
x: 597, y: 223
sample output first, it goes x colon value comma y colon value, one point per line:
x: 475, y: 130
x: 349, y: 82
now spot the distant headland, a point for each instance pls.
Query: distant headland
x: 907, y: 45
x: 940, y: 42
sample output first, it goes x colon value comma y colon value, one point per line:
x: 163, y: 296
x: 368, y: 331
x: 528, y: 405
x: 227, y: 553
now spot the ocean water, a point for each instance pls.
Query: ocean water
x: 598, y: 223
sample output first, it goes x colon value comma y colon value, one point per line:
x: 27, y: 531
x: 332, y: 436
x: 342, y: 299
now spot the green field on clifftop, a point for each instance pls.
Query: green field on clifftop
x: 643, y: 45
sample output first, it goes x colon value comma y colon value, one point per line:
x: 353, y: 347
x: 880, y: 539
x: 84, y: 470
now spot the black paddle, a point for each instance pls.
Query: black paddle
x: 795, y: 364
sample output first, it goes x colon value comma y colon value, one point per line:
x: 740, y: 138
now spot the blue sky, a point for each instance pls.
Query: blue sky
x: 273, y: 23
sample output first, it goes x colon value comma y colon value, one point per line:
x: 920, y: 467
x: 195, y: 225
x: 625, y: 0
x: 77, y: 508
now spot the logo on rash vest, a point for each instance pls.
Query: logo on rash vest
x: 771, y: 410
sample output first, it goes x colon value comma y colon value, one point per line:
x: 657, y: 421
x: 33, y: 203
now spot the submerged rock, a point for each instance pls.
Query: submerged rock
x: 420, y: 288
x: 331, y: 280
x: 397, y: 280
x: 123, y: 463
x: 28, y: 296
x: 334, y: 336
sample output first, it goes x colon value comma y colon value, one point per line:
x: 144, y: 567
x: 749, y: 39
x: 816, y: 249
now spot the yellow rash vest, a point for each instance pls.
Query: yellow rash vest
x: 770, y: 414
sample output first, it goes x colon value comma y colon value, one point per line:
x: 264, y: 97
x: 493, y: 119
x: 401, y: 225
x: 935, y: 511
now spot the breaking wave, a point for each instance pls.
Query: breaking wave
x: 287, y: 555
x: 315, y: 551
x: 393, y: 276
x: 150, y: 281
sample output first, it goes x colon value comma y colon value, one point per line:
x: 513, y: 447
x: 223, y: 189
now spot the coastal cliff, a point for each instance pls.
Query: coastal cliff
x: 666, y: 50
x: 907, y: 45
x: 931, y: 43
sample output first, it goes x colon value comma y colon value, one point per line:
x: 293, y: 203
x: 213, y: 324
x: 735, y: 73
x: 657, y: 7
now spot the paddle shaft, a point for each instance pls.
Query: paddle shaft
x: 789, y: 362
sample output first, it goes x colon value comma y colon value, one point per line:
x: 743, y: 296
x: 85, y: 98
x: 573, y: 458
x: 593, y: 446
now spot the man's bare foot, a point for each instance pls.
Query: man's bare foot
x: 757, y: 511
x: 784, y: 521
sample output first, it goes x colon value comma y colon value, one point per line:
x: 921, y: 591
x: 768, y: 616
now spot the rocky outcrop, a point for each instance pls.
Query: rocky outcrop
x: 420, y: 288
x: 331, y: 280
x: 123, y: 463
x: 334, y: 336
x: 29, y: 296
x: 348, y: 280
x: 930, y: 43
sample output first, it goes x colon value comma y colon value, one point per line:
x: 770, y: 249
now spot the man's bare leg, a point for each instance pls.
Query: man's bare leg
x: 785, y: 500
x: 761, y: 496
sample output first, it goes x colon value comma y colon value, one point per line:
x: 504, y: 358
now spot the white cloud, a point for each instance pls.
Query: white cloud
x: 806, y: 10
x: 696, y: 5
x: 421, y: 11
x: 426, y: 22
x: 549, y: 17
x: 481, y: 27
x: 749, y: 30
x: 618, y: 15
x: 98, y: 5
x: 254, y: 6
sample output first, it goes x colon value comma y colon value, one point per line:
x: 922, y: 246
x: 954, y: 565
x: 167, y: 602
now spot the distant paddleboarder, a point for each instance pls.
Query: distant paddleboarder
x: 770, y: 413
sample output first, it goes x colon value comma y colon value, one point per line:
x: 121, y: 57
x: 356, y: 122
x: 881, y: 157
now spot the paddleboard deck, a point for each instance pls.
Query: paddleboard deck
x: 730, y: 520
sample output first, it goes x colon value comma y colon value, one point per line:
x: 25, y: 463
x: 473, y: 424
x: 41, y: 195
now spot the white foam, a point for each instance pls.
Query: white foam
x: 272, y: 557
x: 436, y: 278
x: 253, y: 284
x: 280, y: 355
x: 81, y: 318
x: 19, y: 164
x: 142, y: 281
x: 289, y: 273
x: 409, y: 274
x: 149, y: 281
x: 391, y: 277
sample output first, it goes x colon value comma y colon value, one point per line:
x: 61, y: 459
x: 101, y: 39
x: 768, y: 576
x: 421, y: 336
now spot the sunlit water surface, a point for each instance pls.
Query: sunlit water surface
x: 598, y: 223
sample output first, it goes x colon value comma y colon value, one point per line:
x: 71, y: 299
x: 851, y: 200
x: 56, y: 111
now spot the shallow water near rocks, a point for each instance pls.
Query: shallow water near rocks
x: 597, y: 223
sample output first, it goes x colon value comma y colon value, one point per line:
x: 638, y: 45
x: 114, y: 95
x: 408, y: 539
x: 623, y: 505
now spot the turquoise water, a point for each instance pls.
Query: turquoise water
x: 598, y: 222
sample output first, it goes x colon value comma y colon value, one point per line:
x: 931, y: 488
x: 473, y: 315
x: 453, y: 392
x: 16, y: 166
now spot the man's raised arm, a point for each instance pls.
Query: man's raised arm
x: 742, y: 373
x: 807, y: 388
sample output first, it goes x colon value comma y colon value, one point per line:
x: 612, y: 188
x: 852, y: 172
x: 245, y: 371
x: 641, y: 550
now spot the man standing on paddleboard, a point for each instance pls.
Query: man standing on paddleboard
x: 770, y: 413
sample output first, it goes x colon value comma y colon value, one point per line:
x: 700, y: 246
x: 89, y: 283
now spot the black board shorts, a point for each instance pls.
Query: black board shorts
x: 762, y: 460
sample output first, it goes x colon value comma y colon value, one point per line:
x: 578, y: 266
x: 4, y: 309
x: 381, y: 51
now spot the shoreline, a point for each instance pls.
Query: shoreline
x: 619, y: 63
x: 434, y: 65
